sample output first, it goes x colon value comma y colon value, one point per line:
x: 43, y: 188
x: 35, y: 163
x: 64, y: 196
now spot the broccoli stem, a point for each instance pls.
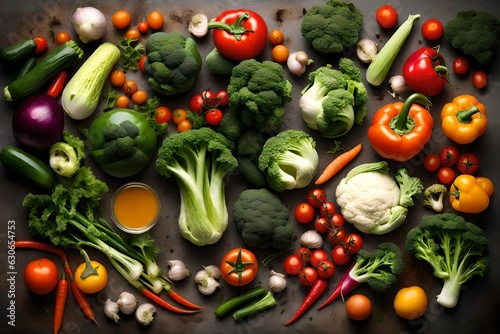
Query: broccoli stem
x: 448, y: 297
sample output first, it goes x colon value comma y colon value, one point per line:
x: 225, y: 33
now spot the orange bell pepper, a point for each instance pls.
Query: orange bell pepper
x: 399, y: 131
x: 464, y: 119
x: 469, y: 194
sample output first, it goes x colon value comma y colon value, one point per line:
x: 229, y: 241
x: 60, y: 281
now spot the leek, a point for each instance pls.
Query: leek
x: 81, y: 95
x: 379, y: 68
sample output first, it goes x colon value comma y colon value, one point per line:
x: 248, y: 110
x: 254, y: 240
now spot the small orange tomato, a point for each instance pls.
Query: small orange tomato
x: 62, y: 37
x: 163, y: 114
x: 155, y: 20
x: 410, y: 303
x: 140, y: 97
x: 122, y: 101
x: 358, y: 307
x: 179, y: 115
x: 184, y: 125
x: 133, y: 34
x: 121, y: 19
x: 276, y: 37
x: 130, y: 87
x: 143, y: 27
x: 280, y: 53
x: 117, y: 78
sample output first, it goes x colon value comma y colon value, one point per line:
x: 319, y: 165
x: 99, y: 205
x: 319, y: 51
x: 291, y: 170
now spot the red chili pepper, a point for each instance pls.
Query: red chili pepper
x: 181, y: 300
x: 155, y: 298
x: 57, y: 84
x: 61, y: 296
x: 425, y: 71
x: 318, y: 288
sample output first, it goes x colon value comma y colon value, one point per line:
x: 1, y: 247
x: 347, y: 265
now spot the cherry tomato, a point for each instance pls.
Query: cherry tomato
x: 143, y: 27
x: 336, y: 236
x: 163, y: 114
x: 94, y: 282
x: 141, y: 63
x: 307, y: 276
x: 122, y: 101
x: 449, y: 156
x: 118, y: 78
x: 486, y: 185
x: 358, y: 307
x: 326, y: 269
x: 121, y: 19
x: 179, y: 115
x: 209, y: 99
x: 327, y: 209
x: 293, y: 264
x: 41, y: 44
x: 353, y: 242
x: 479, y: 79
x: 337, y: 220
x: 432, y: 29
x: 317, y: 256
x: 468, y: 163
x: 322, y: 224
x: 214, y: 117
x: 432, y: 162
x: 276, y: 37
x: 62, y: 37
x: 130, y: 87
x: 446, y: 175
x: 184, y: 125
x: 222, y: 97
x: 155, y: 20
x: 460, y: 65
x: 196, y: 103
x: 316, y: 197
x: 133, y: 34
x: 280, y: 53
x: 239, y: 266
x: 411, y: 302
x: 340, y: 255
x: 304, y: 213
x: 386, y: 16
x: 140, y: 97
x: 41, y: 276
x: 304, y: 253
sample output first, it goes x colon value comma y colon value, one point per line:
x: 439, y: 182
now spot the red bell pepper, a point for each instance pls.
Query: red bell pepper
x: 425, y: 71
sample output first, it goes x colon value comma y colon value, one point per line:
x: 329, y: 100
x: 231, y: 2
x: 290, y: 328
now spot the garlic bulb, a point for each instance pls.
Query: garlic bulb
x: 213, y: 271
x: 144, y: 313
x: 367, y: 50
x: 111, y: 310
x: 297, y: 62
x: 398, y: 84
x: 277, y: 281
x: 178, y: 270
x: 207, y: 284
x: 198, y: 26
x: 311, y: 239
x: 127, y: 302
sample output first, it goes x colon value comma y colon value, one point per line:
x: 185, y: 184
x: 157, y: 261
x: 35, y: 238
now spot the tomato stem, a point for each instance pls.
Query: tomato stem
x: 238, y: 266
x: 237, y: 29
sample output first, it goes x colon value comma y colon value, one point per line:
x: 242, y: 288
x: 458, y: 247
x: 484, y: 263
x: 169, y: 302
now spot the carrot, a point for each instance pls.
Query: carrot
x: 338, y: 163
x: 155, y: 298
x: 317, y: 289
x: 60, y: 304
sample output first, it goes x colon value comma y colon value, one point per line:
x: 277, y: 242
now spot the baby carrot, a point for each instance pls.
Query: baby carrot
x: 60, y: 304
x: 338, y: 163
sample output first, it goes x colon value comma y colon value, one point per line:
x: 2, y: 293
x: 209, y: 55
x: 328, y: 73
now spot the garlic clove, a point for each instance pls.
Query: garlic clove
x: 366, y: 50
x: 311, y: 239
x: 144, y: 313
x: 111, y: 309
x: 277, y: 281
x: 177, y: 270
x: 213, y: 271
x: 127, y: 302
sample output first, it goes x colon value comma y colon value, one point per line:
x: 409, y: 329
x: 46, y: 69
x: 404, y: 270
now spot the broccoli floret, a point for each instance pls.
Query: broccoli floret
x: 410, y: 187
x: 475, y: 34
x: 120, y: 141
x: 173, y: 62
x: 259, y: 91
x: 289, y: 160
x: 199, y: 160
x: 334, y: 100
x: 332, y: 27
x: 218, y: 64
x: 231, y: 125
x: 456, y: 250
x: 250, y: 144
x: 434, y: 195
x: 262, y: 219
x: 65, y: 157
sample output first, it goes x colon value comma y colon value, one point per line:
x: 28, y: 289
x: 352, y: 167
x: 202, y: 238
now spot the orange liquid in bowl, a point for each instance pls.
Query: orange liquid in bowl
x: 135, y: 207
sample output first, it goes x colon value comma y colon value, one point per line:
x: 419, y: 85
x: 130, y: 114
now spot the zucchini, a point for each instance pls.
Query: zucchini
x: 27, y: 66
x: 28, y: 166
x: 48, y: 67
x: 233, y: 303
x: 251, y: 173
x: 18, y: 52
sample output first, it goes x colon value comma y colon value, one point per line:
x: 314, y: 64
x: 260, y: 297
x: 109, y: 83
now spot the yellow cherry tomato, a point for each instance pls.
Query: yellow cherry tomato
x: 411, y: 302
x: 358, y: 307
x: 91, y: 280
x: 280, y: 53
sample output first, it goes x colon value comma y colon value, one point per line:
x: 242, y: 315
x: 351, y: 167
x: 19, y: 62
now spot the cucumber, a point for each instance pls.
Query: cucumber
x: 48, y: 67
x: 18, y: 52
x: 27, y: 66
x: 233, y: 303
x: 28, y: 166
x: 251, y: 173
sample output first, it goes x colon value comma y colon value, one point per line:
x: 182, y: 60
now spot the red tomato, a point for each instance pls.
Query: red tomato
x: 142, y: 61
x: 479, y: 79
x: 340, y: 255
x: 41, y: 44
x: 386, y: 16
x: 358, y: 307
x: 322, y: 224
x: 304, y: 253
x: 239, y: 266
x: 432, y: 29
x: 449, y: 156
x: 62, y: 37
x: 196, y: 103
x: 336, y: 236
x: 325, y: 269
x: 432, y: 162
x: 143, y: 27
x: 214, y: 117
x: 41, y: 276
x: 293, y: 264
x: 250, y: 43
x: 316, y: 197
x: 446, y: 175
x: 327, y: 209
x: 304, y: 213
x: 307, y: 276
x: 353, y: 243
x: 460, y: 65
x: 222, y: 97
x: 337, y: 220
x: 163, y: 114
x: 317, y: 256
x: 468, y: 163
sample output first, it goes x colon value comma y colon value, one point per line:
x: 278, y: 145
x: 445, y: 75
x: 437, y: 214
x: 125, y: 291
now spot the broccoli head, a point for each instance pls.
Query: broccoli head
x: 434, y: 196
x: 172, y: 62
x: 258, y: 92
x: 120, y: 140
x: 475, y: 34
x: 262, y: 219
x: 456, y: 250
x: 332, y: 27
x: 289, y: 160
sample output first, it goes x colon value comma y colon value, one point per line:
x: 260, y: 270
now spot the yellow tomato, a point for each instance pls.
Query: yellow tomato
x: 93, y: 280
x: 411, y: 302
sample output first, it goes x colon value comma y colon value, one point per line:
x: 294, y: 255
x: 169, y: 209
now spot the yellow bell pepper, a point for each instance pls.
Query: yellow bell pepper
x: 469, y: 194
x: 464, y: 119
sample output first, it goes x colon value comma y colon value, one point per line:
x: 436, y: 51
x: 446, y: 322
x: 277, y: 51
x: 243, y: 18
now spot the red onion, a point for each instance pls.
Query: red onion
x: 38, y: 122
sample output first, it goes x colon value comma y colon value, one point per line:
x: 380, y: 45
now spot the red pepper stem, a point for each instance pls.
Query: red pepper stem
x: 403, y: 123
x: 237, y: 29
x: 465, y: 116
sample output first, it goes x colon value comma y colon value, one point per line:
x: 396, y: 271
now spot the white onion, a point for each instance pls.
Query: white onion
x: 89, y: 23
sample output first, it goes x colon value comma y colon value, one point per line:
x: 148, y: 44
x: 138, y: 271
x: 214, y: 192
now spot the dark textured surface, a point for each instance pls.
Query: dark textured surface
x: 477, y: 311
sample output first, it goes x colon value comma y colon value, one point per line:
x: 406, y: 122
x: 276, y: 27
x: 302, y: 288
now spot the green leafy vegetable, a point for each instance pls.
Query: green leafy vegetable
x: 130, y: 53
